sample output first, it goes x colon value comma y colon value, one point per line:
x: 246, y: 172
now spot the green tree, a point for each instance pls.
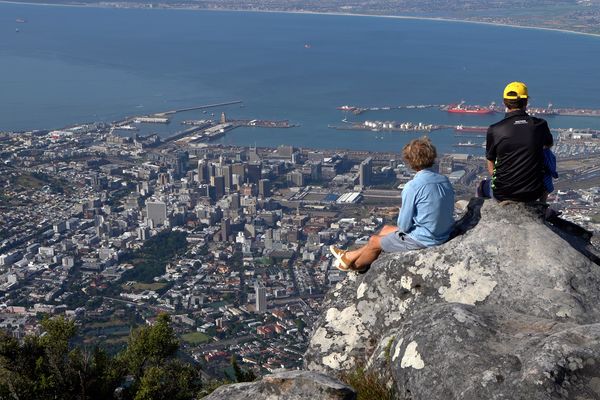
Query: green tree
x: 172, y: 381
x: 240, y: 374
x: 50, y: 367
x: 47, y: 367
x: 150, y: 358
x: 300, y: 324
x: 150, y: 346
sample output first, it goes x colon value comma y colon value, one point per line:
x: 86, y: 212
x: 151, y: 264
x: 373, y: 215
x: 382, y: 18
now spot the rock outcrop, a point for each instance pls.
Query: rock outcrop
x: 507, y: 310
x: 287, y: 385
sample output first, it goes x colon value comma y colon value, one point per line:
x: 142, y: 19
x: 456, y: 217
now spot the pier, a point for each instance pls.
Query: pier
x: 259, y: 123
x: 208, y: 130
x: 161, y: 117
x: 228, y: 103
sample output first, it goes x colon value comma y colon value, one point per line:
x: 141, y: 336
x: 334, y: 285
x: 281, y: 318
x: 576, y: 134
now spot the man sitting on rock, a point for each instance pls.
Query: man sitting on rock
x: 426, y: 215
x: 515, y: 151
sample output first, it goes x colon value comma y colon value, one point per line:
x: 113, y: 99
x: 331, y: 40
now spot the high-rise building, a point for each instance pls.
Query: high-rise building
x: 204, y: 190
x: 223, y: 118
x: 253, y: 155
x: 316, y: 171
x: 156, y: 212
x: 218, y: 182
x: 296, y: 157
x: 253, y: 173
x: 142, y: 233
x: 264, y: 188
x: 236, y: 181
x: 235, y: 201
x: 203, y: 176
x: 239, y: 155
x: 316, y: 156
x: 132, y: 202
x: 163, y: 179
x: 261, y: 297
x: 239, y: 170
x: 225, y: 229
x: 365, y: 172
x: 190, y: 176
x: 285, y: 151
x: 212, y: 170
x: 181, y: 164
x: 226, y: 171
x: 269, y: 239
x: 296, y: 178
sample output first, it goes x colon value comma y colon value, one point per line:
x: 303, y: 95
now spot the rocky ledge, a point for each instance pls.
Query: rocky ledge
x: 509, y: 309
x: 287, y: 385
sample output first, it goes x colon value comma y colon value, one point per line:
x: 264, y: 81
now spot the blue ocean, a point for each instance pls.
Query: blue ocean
x: 68, y: 65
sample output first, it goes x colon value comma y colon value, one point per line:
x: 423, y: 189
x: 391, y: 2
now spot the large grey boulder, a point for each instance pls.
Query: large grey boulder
x: 507, y: 310
x: 287, y: 385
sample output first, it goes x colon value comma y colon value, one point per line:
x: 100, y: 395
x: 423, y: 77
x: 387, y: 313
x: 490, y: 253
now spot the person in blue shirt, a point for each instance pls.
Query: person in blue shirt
x: 425, y: 218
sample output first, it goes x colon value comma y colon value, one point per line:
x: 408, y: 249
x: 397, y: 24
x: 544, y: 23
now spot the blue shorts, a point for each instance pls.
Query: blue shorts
x: 397, y: 242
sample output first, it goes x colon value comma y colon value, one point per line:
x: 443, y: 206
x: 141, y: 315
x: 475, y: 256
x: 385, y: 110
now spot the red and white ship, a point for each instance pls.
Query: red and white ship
x: 461, y: 108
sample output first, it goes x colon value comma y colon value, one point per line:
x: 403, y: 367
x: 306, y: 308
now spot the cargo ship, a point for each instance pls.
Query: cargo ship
x: 461, y: 108
x: 352, y: 109
x: 469, y: 144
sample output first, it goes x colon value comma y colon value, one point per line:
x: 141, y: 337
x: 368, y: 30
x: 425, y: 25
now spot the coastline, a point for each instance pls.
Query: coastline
x: 335, y: 13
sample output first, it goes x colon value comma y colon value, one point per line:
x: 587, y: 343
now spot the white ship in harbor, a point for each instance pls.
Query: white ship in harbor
x: 126, y: 128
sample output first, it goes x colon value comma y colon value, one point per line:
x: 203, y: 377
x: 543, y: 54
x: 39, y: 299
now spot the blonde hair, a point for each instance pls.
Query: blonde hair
x: 419, y: 153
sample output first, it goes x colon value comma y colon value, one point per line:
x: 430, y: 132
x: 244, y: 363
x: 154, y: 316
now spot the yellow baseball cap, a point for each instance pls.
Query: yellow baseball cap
x: 515, y: 91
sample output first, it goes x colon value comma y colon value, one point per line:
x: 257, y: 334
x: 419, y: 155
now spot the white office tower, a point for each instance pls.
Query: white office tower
x: 261, y: 297
x: 157, y: 212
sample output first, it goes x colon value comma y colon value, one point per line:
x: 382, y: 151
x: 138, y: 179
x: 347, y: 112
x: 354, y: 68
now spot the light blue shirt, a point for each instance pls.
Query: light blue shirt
x: 427, y: 208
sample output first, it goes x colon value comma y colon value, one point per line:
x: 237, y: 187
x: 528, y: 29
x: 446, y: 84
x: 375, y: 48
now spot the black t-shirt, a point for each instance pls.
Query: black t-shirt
x: 515, y: 145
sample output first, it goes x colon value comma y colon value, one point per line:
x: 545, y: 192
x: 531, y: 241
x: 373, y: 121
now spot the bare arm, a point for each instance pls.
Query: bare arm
x: 490, y: 167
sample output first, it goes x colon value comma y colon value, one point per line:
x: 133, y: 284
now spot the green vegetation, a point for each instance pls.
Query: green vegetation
x: 116, y: 197
x: 107, y: 324
x: 4, y: 199
x: 29, y: 182
x: 50, y: 367
x: 368, y: 384
x: 150, y: 261
x: 241, y: 375
x: 140, y: 287
x: 265, y: 261
x: 387, y: 350
x: 195, y: 338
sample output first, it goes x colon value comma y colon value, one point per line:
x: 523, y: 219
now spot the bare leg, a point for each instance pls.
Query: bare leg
x: 368, y: 253
x: 387, y: 229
